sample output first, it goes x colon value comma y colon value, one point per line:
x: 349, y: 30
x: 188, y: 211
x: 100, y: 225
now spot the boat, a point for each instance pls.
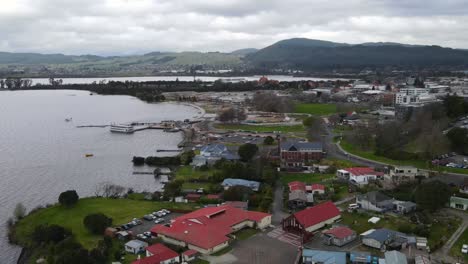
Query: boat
x: 122, y: 128
x: 68, y: 119
x: 89, y: 155
x: 172, y: 130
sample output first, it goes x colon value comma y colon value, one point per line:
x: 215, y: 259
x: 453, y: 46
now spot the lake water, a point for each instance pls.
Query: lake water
x: 41, y: 155
x: 181, y: 78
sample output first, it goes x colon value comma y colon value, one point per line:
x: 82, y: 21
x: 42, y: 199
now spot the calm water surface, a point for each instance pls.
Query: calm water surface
x: 41, y: 155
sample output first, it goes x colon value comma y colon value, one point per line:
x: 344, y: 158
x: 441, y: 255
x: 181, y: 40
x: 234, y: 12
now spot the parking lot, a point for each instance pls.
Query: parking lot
x: 147, y: 225
x: 451, y: 160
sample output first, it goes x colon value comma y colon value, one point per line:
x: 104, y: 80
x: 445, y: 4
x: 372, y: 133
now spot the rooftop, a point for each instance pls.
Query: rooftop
x: 339, y: 232
x: 301, y: 146
x: 361, y: 171
x: 317, y: 214
x: 325, y: 257
x: 207, y: 227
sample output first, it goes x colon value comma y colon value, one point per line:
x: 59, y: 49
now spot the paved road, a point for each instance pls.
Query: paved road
x: 443, y: 253
x: 277, y: 208
x: 335, y: 150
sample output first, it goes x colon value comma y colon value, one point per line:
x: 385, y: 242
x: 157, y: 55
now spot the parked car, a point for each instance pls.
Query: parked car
x: 166, y: 211
x: 148, y: 217
x: 147, y: 233
x: 464, y: 249
x: 159, y: 220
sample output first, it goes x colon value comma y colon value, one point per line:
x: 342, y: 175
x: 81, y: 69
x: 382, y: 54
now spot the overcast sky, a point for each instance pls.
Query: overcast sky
x: 108, y: 27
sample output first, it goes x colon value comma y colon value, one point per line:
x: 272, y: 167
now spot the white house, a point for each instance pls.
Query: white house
x: 359, y: 175
x: 135, y: 246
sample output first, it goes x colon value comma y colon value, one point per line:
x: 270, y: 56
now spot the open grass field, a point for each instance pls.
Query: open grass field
x: 120, y: 210
x: 305, y: 177
x: 421, y: 164
x: 188, y: 173
x: 315, y: 109
x: 261, y: 128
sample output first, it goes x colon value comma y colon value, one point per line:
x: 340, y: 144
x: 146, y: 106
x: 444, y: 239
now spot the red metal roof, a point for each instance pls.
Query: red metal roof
x: 297, y: 185
x: 160, y: 253
x: 317, y: 214
x: 190, y: 252
x: 317, y: 186
x: 213, y: 196
x: 360, y: 171
x: 207, y: 227
x: 340, y: 232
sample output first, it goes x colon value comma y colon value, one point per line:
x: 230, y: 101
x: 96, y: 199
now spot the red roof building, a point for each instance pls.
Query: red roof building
x: 193, y: 197
x: 339, y: 236
x: 311, y: 219
x: 213, y: 197
x: 297, y: 186
x: 189, y: 255
x: 158, y: 254
x: 207, y: 230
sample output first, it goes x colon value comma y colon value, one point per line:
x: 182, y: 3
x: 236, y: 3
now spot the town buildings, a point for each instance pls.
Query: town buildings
x: 359, y: 175
x: 209, y: 230
x: 299, y: 154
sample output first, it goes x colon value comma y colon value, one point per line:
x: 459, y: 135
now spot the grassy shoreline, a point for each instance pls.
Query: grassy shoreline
x: 120, y: 210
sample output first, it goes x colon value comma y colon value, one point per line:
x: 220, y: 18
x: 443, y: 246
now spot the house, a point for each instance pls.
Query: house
x: 459, y: 203
x: 159, y: 254
x: 395, y: 257
x: 402, y: 174
x: 338, y: 236
x: 311, y: 256
x: 229, y: 182
x: 359, y: 175
x: 193, y: 197
x: 199, y: 161
x: 375, y: 201
x: 135, y: 246
x: 385, y: 239
x: 297, y: 199
x: 189, y: 255
x: 213, y: 197
x: 209, y: 230
x: 404, y: 207
x: 316, y: 188
x: 311, y: 219
x: 298, y: 154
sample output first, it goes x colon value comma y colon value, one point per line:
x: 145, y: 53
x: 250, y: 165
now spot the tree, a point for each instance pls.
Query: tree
x: 458, y: 138
x: 50, y: 233
x: 247, y: 151
x: 237, y: 193
x: 20, y: 211
x: 269, y: 140
x: 68, y: 198
x: 309, y: 121
x: 232, y: 114
x: 187, y: 157
x: 109, y: 190
x: 432, y: 195
x: 173, y: 188
x: 97, y: 223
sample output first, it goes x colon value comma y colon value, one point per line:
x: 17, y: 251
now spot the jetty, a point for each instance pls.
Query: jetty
x: 143, y: 172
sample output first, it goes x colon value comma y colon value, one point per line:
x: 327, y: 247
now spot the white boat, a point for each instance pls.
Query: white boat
x: 122, y: 128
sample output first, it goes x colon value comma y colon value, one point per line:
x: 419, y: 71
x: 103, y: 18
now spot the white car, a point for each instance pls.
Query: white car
x: 158, y: 221
x: 464, y: 249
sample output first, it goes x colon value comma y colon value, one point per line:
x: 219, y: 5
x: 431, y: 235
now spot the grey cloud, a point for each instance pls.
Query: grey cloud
x: 138, y: 26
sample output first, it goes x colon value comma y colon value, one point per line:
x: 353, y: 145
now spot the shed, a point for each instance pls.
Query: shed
x: 322, y: 256
x: 297, y: 199
x: 189, y: 255
x: 395, y: 257
x: 135, y: 246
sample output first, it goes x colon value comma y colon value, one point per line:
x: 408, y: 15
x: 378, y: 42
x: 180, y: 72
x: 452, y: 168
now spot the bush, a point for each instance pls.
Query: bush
x: 20, y: 211
x: 269, y: 140
x: 50, y: 233
x: 68, y: 198
x: 97, y: 223
x: 138, y: 161
x: 247, y: 151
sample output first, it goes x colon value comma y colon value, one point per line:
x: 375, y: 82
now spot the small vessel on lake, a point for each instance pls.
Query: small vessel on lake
x: 68, y: 119
x: 122, y: 128
x: 89, y: 155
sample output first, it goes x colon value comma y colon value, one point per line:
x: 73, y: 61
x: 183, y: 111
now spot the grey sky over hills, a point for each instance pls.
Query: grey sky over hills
x: 119, y: 27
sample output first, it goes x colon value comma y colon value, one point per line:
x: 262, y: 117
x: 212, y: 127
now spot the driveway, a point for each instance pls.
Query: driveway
x: 277, y: 207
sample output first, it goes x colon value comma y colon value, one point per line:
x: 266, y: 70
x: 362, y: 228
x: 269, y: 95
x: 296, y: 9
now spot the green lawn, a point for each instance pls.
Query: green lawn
x: 245, y: 233
x: 194, y: 186
x: 456, y: 249
x: 200, y: 261
x: 261, y: 128
x: 315, y: 109
x: 441, y: 228
x: 120, y: 210
x: 421, y: 164
x: 305, y: 177
x: 187, y: 173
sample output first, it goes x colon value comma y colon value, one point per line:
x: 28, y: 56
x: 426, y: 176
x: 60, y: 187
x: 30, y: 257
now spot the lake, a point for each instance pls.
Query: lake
x: 282, y: 78
x: 41, y: 155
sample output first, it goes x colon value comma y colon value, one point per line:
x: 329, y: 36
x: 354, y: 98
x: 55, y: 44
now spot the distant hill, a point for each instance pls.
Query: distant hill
x: 244, y: 52
x: 308, y: 54
x: 36, y: 58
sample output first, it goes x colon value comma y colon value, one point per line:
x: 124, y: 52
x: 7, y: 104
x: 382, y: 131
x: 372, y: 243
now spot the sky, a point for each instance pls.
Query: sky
x: 124, y: 27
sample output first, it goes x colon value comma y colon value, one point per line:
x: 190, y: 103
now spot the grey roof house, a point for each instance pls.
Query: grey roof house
x: 135, y: 246
x: 229, y: 182
x: 386, y: 239
x: 375, y: 201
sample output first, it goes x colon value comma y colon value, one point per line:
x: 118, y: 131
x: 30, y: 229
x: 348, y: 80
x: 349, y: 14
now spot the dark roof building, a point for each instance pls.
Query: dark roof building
x: 298, y: 153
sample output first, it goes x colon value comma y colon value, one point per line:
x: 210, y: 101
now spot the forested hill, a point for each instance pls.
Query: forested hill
x: 308, y: 54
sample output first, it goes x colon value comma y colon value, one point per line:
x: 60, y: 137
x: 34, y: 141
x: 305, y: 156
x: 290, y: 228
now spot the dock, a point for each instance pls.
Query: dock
x: 143, y: 172
x: 169, y: 150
